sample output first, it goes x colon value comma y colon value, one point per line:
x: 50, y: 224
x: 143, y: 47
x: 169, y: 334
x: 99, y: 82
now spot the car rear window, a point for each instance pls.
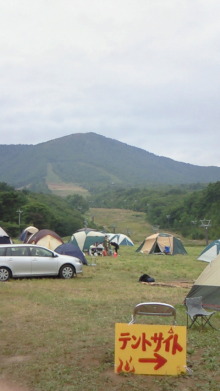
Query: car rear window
x: 2, y: 251
x: 17, y: 251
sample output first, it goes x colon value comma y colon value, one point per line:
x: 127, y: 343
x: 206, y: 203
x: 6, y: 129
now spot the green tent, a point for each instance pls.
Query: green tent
x: 86, y: 238
x: 162, y: 243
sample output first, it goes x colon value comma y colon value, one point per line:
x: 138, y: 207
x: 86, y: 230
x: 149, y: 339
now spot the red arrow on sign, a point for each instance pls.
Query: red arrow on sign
x: 159, y: 360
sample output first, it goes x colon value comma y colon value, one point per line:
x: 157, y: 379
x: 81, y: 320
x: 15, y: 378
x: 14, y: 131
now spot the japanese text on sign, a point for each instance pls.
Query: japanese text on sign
x: 150, y: 349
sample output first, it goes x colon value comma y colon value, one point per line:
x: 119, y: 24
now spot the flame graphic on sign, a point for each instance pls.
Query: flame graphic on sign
x: 125, y: 367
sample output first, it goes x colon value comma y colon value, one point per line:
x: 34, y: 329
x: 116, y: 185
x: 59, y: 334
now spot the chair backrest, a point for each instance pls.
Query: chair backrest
x: 154, y: 309
x: 194, y: 305
x: 194, y: 302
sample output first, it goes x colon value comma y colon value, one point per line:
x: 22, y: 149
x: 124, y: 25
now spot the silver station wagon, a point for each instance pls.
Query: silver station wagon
x: 26, y: 260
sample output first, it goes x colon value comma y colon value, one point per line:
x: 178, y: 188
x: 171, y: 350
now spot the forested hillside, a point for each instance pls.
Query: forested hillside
x: 179, y: 209
x: 175, y: 208
x: 19, y: 209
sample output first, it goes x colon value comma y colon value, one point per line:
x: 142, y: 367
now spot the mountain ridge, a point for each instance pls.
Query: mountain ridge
x: 89, y: 159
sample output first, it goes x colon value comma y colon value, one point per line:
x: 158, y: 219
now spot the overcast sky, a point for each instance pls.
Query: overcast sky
x: 143, y: 72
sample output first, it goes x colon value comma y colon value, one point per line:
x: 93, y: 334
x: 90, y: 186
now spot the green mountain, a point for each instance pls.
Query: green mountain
x: 89, y: 159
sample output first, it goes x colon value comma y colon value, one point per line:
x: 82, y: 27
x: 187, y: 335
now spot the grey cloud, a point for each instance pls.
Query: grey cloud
x: 146, y: 75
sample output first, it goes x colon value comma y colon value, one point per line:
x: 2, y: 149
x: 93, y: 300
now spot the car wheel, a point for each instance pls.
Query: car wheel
x: 67, y: 271
x: 5, y: 274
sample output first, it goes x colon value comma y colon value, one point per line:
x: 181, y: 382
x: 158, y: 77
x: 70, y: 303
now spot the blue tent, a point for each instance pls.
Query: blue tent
x: 120, y: 239
x: 72, y: 250
x: 27, y: 232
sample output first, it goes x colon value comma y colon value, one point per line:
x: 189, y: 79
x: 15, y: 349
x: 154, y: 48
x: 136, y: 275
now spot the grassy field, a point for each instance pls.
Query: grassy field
x: 124, y: 221
x: 58, y: 335
x: 131, y: 223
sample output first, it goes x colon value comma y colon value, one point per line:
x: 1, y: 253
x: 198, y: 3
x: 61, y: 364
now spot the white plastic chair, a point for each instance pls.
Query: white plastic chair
x: 153, y: 309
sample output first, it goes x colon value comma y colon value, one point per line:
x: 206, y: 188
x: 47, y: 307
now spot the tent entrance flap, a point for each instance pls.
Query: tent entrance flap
x: 156, y: 249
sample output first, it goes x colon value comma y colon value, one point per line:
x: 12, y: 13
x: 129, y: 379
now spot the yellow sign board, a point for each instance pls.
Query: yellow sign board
x: 150, y: 349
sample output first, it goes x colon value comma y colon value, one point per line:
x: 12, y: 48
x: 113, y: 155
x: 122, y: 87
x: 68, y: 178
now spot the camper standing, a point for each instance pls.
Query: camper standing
x: 116, y: 246
x: 106, y: 245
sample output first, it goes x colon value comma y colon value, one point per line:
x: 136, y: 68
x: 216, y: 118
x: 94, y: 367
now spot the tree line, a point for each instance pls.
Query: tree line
x: 22, y: 208
x: 185, y: 209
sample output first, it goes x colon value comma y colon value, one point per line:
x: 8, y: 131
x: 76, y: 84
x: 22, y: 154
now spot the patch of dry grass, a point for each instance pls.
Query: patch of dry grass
x: 64, y: 189
x: 60, y: 188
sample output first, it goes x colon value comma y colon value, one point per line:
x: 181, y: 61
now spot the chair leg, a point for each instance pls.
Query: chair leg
x: 189, y: 322
x: 207, y: 321
x: 202, y: 321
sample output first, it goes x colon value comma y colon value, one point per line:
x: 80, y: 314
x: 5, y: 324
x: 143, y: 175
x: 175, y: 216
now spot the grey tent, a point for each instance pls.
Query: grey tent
x: 207, y: 285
